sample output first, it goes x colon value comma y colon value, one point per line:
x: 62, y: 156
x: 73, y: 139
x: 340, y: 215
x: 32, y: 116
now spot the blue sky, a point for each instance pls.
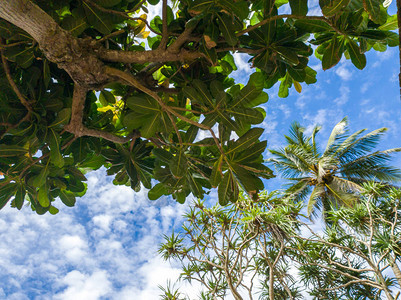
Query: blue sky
x: 105, y: 247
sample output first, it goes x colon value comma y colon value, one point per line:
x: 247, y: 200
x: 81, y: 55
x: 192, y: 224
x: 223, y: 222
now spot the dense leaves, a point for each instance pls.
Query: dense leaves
x: 174, y: 122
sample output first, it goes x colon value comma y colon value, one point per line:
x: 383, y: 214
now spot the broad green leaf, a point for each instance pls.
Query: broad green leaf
x: 227, y: 29
x: 285, y: 84
x: 247, y: 115
x: 391, y: 24
x: 178, y: 165
x: 288, y: 55
x: 332, y: 54
x: 357, y: 58
x: 299, y: 7
x: 249, y: 181
x: 12, y: 150
x: 40, y: 179
x: 246, y: 140
x: 54, y: 142
x: 74, y: 24
x: 19, y: 196
x: 194, y: 186
x: 67, y: 198
x: 63, y: 116
x: 43, y: 197
x: 108, y: 3
x: 310, y: 75
x: 228, y: 189
x: 6, y: 192
x: 143, y: 104
x: 216, y: 175
x: 253, y: 153
x: 239, y: 8
x: 334, y: 7
x: 226, y: 120
x: 162, y: 155
x: 372, y: 7
x: 53, y: 210
x: 106, y: 97
x: 297, y: 74
x: 313, y: 26
x: 250, y: 92
x: 203, y: 92
x: 157, y: 191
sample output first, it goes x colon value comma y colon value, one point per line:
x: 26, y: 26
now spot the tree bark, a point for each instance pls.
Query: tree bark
x: 396, y: 269
x: 75, y: 56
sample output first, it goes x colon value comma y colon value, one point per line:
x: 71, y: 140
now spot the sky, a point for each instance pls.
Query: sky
x: 106, y: 246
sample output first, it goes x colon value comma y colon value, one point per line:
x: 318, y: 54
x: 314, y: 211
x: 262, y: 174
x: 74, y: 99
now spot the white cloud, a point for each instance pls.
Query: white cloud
x: 344, y: 96
x: 343, y: 72
x: 83, y: 286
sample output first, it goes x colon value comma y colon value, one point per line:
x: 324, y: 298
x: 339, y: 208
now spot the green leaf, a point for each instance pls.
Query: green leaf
x: 106, y: 97
x: 227, y: 29
x: 334, y: 7
x: 299, y: 7
x: 43, y: 197
x: 53, y: 210
x: 157, y: 191
x: 12, y: 150
x: 108, y: 3
x: 372, y: 7
x: 285, y: 84
x: 67, y: 198
x: 391, y: 24
x: 162, y: 155
x: 63, y: 116
x: 74, y: 24
x: 297, y: 73
x: 216, y: 175
x: 332, y: 54
x: 312, y: 26
x: 250, y: 92
x: 288, y: 55
x: 40, y: 179
x: 247, y: 115
x: 246, y: 140
x: 6, y: 192
x: 54, y: 142
x: 178, y: 165
x: 239, y: 8
x: 249, y: 181
x: 310, y: 75
x: 357, y: 58
x: 19, y: 196
x: 228, y: 189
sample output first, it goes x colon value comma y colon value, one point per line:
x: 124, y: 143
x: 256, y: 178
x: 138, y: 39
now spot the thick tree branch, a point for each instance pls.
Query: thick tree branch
x: 76, y: 126
x: 146, y: 56
x: 73, y: 55
x: 163, y: 42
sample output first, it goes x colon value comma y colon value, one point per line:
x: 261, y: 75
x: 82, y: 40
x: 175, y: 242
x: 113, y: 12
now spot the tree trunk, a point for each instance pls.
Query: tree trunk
x: 76, y: 56
x: 396, y: 269
x: 271, y: 284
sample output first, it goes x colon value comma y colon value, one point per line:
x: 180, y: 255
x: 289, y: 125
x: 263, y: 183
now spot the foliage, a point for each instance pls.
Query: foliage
x: 158, y: 92
x: 332, y: 177
x: 229, y: 249
x: 270, y: 242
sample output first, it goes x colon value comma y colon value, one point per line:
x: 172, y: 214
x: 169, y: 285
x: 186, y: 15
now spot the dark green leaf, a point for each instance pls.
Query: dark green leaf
x: 227, y: 29
x: 334, y: 7
x: 228, y: 189
x: 246, y: 140
x: 157, y: 191
x: 178, y: 165
x: 299, y: 7
x: 67, y: 198
x: 332, y: 54
x: 357, y: 58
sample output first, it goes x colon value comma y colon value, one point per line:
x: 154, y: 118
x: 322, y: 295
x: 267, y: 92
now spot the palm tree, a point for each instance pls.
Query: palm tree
x: 333, y: 177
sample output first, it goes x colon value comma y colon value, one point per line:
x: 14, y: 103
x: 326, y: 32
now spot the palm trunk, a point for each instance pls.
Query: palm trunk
x: 396, y: 269
x: 271, y: 284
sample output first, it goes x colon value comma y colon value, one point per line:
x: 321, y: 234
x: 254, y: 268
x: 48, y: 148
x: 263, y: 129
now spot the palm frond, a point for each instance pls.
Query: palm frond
x: 318, y: 192
x: 336, y: 134
x: 316, y: 129
x: 348, y: 150
x: 299, y: 190
x: 296, y: 134
x: 341, y: 198
x: 346, y: 185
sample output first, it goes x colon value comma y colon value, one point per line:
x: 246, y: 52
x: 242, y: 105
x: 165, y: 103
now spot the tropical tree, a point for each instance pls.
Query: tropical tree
x: 87, y: 83
x: 238, y: 249
x: 268, y: 250
x: 332, y: 177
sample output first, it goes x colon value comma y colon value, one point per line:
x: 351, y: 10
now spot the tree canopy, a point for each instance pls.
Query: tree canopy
x: 333, y: 177
x: 84, y: 85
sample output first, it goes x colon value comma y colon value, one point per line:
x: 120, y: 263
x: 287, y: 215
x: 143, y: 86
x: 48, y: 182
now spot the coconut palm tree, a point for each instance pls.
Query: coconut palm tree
x: 332, y: 177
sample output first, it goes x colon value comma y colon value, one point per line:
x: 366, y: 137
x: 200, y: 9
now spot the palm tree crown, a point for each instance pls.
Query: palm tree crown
x: 332, y: 177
